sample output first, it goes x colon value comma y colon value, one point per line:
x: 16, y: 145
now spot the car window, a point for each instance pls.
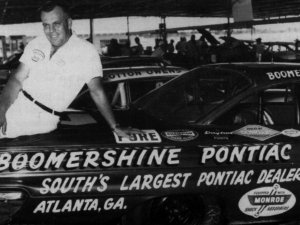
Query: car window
x: 122, y: 93
x: 277, y: 105
x: 281, y: 48
x: 138, y: 88
x: 116, y: 95
x: 189, y: 98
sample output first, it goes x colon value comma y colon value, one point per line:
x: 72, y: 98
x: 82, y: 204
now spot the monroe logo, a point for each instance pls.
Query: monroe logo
x: 267, y: 201
x: 180, y: 135
x: 257, y: 132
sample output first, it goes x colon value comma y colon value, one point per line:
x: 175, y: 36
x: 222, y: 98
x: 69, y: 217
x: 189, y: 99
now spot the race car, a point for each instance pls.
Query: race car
x: 281, y: 52
x: 218, y: 145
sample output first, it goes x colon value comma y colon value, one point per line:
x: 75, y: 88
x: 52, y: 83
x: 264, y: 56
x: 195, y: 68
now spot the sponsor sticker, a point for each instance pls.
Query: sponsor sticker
x: 257, y: 132
x: 154, y: 72
x: 180, y: 135
x: 219, y: 135
x: 148, y: 136
x: 267, y: 201
x: 291, y: 132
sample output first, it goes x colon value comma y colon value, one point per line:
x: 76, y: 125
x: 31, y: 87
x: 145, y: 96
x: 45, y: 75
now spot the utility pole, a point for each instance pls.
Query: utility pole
x: 229, y: 9
x: 128, y: 31
x: 91, y: 30
x: 163, y: 29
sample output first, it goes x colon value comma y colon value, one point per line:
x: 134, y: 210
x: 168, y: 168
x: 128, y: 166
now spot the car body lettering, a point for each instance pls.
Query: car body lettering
x: 255, y: 153
x: 79, y: 205
x: 150, y: 181
x: 118, y: 76
x: 268, y: 176
x: 148, y: 136
x: 225, y: 178
x: 284, y: 74
x: 80, y: 184
x: 89, y: 159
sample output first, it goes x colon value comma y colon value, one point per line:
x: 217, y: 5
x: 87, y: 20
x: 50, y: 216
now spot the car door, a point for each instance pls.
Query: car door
x: 263, y: 136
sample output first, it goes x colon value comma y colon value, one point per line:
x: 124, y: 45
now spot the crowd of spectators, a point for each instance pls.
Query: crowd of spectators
x: 114, y: 48
x: 189, y: 53
x: 192, y: 52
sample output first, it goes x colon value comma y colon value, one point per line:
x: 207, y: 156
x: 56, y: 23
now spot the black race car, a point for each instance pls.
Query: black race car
x: 219, y: 145
x: 280, y: 52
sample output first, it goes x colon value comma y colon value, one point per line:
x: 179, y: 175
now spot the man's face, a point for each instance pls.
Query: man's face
x: 57, y: 26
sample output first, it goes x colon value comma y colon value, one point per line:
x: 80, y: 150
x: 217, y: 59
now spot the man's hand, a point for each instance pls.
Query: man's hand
x: 126, y: 131
x: 3, y: 124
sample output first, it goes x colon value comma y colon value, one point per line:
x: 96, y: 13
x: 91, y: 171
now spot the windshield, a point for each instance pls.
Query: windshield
x: 192, y: 96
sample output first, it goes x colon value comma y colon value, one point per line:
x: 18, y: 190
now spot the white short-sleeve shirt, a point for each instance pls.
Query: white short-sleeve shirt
x: 56, y: 81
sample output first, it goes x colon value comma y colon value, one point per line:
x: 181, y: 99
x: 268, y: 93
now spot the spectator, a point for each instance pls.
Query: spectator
x: 181, y: 46
x: 157, y: 40
x: 170, y: 47
x: 125, y: 49
x: 192, y: 52
x: 259, y: 49
x: 138, y: 48
x: 113, y: 49
x: 148, y: 50
x: 202, y: 48
x: 160, y: 50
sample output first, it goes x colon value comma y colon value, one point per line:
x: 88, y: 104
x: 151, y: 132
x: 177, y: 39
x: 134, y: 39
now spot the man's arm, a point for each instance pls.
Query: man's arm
x: 10, y: 92
x: 98, y: 95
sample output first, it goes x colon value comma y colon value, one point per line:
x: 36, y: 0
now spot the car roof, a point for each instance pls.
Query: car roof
x: 121, y: 68
x: 109, y: 62
x: 279, y: 43
x: 263, y: 73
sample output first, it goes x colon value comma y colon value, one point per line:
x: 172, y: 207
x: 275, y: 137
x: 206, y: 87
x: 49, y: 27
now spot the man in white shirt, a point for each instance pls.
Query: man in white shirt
x: 53, y: 69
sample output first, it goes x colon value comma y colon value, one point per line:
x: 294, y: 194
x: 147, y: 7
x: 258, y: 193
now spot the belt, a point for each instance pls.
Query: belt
x: 42, y: 106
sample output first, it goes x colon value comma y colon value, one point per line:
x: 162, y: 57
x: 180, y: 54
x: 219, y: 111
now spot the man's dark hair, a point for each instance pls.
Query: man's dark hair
x: 51, y: 4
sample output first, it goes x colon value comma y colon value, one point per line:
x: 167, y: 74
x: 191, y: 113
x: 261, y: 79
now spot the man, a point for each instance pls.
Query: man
x: 259, y: 49
x: 53, y: 69
x: 138, y: 49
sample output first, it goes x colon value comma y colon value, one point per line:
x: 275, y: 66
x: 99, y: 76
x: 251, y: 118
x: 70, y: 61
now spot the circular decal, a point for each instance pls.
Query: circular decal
x: 180, y: 135
x: 267, y: 201
x: 291, y: 132
x: 37, y: 55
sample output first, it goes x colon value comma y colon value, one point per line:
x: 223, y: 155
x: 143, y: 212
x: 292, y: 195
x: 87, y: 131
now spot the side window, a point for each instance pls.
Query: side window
x: 272, y: 106
x: 141, y: 87
x: 116, y: 95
